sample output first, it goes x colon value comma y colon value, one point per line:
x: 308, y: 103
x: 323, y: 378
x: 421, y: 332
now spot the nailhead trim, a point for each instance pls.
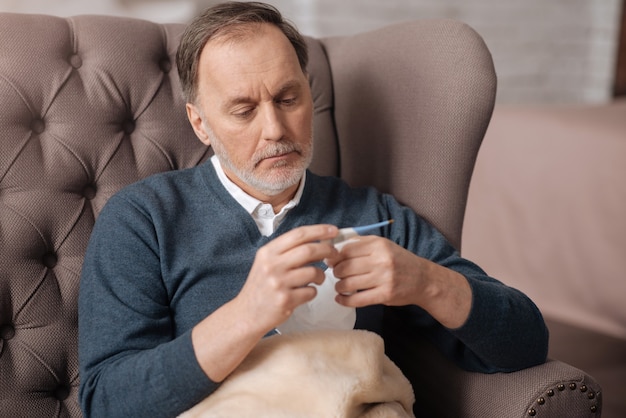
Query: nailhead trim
x: 535, y: 410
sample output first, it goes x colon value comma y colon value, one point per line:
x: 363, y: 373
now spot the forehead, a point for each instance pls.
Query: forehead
x: 260, y: 55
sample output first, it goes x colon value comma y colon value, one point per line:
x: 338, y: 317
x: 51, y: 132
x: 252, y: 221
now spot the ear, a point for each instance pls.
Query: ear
x: 195, y: 118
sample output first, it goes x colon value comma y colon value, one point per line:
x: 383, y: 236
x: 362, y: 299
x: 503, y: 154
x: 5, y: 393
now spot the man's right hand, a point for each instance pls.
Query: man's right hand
x: 279, y: 278
x: 276, y: 285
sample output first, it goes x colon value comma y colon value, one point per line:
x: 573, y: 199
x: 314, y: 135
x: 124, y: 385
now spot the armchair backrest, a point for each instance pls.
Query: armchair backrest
x: 412, y: 103
x: 89, y: 104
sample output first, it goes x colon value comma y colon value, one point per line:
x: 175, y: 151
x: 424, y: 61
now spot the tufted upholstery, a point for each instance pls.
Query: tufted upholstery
x: 89, y: 104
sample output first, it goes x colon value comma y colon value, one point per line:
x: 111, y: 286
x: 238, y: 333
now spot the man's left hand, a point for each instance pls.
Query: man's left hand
x: 374, y: 270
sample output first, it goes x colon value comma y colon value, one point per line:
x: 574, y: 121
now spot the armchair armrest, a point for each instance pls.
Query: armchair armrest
x: 554, y: 389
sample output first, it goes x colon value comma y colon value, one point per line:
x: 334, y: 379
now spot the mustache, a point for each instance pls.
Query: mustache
x: 276, y: 149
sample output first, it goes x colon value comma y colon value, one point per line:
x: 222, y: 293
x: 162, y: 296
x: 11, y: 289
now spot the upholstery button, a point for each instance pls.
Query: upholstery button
x: 49, y: 260
x: 541, y: 401
x: 561, y: 387
x: 532, y: 412
x: 572, y: 386
x: 128, y: 127
x: 38, y: 126
x: 583, y: 388
x: 61, y: 393
x: 89, y: 191
x: 165, y: 65
x: 7, y: 332
x: 550, y: 392
x: 76, y: 61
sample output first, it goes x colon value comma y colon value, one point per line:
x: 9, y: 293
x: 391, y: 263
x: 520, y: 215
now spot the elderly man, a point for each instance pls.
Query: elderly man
x: 187, y: 271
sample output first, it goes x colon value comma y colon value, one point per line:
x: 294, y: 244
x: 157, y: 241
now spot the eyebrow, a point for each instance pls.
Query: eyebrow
x: 289, y: 85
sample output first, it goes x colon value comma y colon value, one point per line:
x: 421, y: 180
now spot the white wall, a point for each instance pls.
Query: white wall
x: 545, y: 51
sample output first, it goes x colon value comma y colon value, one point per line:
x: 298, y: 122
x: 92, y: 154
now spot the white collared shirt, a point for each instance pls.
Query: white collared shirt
x: 263, y: 214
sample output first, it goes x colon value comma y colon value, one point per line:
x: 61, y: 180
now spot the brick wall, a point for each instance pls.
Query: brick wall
x: 545, y: 51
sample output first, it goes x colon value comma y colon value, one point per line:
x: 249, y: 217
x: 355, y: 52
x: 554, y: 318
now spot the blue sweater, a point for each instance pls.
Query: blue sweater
x: 169, y: 250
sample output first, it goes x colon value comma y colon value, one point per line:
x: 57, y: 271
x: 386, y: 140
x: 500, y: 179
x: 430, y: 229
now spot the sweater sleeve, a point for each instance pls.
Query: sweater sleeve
x: 505, y: 330
x: 131, y: 362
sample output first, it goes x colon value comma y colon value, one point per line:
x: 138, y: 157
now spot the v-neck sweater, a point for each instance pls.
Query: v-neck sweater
x: 171, y: 249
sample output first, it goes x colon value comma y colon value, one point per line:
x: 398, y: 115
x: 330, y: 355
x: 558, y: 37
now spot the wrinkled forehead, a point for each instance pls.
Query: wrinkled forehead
x: 259, y: 55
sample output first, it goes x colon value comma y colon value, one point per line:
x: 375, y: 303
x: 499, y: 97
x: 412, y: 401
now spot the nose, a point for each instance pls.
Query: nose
x: 273, y: 128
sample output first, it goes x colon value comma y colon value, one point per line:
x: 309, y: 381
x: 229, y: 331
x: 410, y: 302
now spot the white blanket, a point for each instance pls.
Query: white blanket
x: 326, y: 374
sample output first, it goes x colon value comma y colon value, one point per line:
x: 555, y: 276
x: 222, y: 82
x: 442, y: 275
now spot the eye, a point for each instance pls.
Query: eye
x: 243, y: 113
x: 289, y: 101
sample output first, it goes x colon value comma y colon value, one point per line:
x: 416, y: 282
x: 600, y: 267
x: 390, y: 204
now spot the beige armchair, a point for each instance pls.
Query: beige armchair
x: 91, y: 103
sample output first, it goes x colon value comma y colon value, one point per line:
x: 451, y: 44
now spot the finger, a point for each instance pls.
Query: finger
x: 304, y: 276
x: 355, y: 284
x: 341, y: 254
x: 348, y: 267
x: 295, y: 249
x: 358, y: 299
x: 309, y: 253
x: 303, y: 295
x: 362, y: 247
x: 302, y: 235
x: 332, y: 261
x: 286, y: 304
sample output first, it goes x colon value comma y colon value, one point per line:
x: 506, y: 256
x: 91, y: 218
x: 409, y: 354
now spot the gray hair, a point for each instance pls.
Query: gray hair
x: 228, y: 19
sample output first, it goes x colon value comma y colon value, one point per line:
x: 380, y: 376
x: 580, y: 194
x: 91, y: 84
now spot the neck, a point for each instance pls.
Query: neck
x: 278, y: 200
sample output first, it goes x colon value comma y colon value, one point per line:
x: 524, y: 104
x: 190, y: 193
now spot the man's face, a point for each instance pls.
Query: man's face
x: 254, y: 108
